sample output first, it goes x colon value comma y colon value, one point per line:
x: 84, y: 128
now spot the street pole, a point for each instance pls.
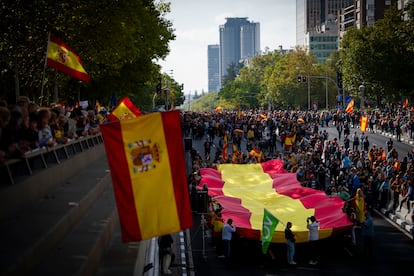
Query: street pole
x: 326, y: 95
x: 308, y: 79
x: 189, y: 101
x: 361, y: 96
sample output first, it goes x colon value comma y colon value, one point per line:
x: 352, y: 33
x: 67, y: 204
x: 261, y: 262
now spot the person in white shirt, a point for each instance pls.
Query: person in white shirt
x: 313, y: 226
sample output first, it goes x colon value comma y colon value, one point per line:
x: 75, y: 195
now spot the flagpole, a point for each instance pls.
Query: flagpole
x: 44, y: 70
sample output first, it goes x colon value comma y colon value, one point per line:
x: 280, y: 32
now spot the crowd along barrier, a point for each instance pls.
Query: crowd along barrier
x: 42, y: 158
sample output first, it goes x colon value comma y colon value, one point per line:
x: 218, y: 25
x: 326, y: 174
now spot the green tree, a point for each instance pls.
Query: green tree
x: 379, y: 57
x: 118, y: 41
x: 232, y: 72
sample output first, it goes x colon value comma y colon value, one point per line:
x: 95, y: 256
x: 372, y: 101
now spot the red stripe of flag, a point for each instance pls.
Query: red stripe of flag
x: 177, y: 164
x: 122, y: 182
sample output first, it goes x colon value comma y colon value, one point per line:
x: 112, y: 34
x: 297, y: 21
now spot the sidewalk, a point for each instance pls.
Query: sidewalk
x: 402, y: 218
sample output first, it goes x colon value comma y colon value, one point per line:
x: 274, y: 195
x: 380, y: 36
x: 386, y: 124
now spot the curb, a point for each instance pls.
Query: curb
x: 403, y: 225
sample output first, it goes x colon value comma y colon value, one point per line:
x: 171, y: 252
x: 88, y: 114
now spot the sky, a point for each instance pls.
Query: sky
x: 196, y: 24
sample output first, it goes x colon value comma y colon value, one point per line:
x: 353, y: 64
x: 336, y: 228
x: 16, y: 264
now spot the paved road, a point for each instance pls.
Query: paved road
x: 393, y: 250
x: 375, y: 139
x: 393, y: 253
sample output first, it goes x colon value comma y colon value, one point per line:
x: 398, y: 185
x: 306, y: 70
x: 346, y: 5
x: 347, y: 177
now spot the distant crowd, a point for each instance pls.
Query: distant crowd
x: 25, y: 126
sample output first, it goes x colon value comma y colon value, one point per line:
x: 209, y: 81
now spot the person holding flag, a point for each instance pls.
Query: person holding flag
x: 226, y: 235
x: 313, y: 225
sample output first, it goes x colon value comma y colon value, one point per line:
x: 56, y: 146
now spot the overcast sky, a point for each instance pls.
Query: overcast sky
x: 196, y: 24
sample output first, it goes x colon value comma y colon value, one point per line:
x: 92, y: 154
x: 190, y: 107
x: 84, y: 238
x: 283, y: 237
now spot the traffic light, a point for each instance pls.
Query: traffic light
x: 299, y: 78
x: 182, y: 86
x: 304, y: 79
x: 339, y: 78
x: 159, y: 86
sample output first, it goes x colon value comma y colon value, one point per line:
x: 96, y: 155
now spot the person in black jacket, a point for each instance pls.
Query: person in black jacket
x: 290, y: 242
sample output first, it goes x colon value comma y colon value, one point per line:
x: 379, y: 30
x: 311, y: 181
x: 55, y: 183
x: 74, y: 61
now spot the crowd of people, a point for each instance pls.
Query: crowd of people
x: 347, y: 165
x: 25, y: 126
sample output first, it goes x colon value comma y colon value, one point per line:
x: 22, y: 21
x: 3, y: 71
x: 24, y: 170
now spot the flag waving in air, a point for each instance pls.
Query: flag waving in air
x: 350, y: 106
x: 269, y: 225
x: 65, y: 60
x: 124, y: 110
x: 363, y: 123
x: 405, y: 103
x: 148, y: 174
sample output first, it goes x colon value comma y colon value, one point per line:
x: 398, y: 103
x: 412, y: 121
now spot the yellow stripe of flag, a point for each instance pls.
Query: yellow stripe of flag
x: 255, y: 189
x: 153, y: 191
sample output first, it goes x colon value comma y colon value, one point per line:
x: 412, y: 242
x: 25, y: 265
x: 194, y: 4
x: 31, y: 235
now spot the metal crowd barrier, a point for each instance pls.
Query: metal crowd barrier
x: 48, y: 156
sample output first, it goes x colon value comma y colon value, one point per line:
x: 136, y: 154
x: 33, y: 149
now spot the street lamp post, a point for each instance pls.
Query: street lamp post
x: 361, y: 98
x: 326, y: 92
x: 308, y: 80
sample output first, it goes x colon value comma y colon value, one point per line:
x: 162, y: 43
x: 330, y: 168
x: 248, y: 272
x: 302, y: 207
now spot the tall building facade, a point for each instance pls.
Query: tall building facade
x: 213, y: 60
x: 239, y: 40
x: 362, y: 13
x: 317, y: 27
x: 321, y: 24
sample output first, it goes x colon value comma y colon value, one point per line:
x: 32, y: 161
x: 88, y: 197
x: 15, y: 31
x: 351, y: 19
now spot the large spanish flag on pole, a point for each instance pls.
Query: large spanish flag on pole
x: 61, y: 57
x: 148, y: 175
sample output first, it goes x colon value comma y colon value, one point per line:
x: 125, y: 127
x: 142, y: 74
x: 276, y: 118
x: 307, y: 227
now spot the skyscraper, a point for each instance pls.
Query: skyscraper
x: 213, y: 56
x: 239, y: 39
x: 317, y: 25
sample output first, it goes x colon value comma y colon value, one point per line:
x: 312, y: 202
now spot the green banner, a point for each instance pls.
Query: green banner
x: 269, y: 225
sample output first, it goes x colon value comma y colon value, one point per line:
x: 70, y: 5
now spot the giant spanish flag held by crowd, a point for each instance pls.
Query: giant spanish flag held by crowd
x: 244, y: 190
x: 61, y: 57
x: 146, y: 159
x: 124, y: 110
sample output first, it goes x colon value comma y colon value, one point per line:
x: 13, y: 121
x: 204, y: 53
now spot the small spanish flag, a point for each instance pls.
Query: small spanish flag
x: 65, y: 60
x: 405, y: 104
x: 397, y: 165
x: 224, y: 151
x: 363, y: 123
x: 124, y: 110
x: 350, y: 106
x: 256, y: 153
x: 148, y: 174
x: 290, y: 139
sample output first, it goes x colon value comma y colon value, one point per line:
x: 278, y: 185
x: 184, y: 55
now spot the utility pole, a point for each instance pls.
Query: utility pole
x: 326, y: 94
x: 308, y: 79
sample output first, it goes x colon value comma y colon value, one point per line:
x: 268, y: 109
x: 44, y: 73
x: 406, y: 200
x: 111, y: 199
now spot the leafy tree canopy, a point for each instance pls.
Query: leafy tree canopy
x: 119, y: 43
